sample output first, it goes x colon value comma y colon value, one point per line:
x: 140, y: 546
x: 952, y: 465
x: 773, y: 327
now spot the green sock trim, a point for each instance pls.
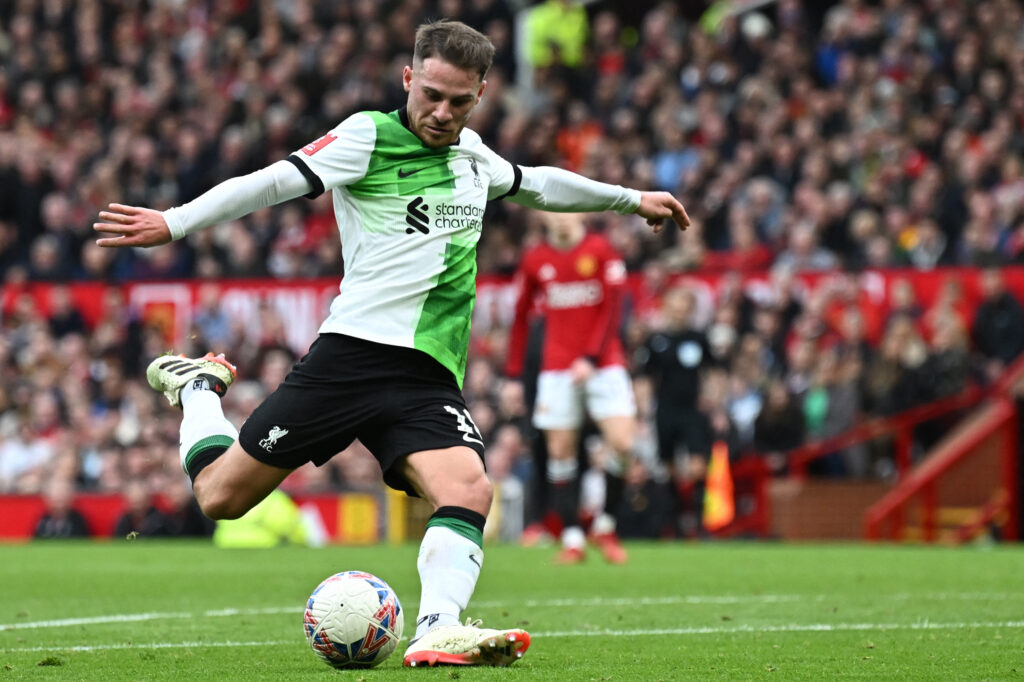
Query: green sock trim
x: 463, y: 528
x: 204, y: 444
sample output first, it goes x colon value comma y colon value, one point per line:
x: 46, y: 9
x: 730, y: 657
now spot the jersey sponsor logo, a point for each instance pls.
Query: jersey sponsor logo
x: 276, y: 433
x: 458, y: 217
x: 417, y: 217
x: 446, y: 217
x: 561, y: 295
x: 470, y: 433
x: 318, y: 144
x: 403, y: 173
x: 615, y: 272
x: 586, y: 265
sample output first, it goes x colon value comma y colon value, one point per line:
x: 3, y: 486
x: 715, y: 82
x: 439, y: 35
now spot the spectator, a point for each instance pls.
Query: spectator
x: 779, y: 426
x: 998, y: 329
x: 64, y: 317
x: 23, y: 459
x: 140, y: 517
x: 61, y: 519
x: 645, y: 510
x: 182, y: 516
x: 556, y: 34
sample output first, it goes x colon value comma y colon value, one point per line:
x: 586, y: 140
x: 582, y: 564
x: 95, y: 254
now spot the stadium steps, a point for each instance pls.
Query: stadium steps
x: 966, y: 487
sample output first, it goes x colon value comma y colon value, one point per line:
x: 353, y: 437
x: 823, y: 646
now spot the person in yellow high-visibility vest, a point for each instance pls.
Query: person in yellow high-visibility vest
x: 556, y: 32
x: 276, y: 520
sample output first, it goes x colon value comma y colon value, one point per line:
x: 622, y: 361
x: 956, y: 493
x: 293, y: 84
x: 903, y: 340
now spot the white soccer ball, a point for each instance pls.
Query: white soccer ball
x: 353, y: 620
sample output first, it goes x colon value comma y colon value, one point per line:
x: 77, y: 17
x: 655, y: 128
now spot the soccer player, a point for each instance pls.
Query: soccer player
x: 410, y: 188
x: 582, y: 369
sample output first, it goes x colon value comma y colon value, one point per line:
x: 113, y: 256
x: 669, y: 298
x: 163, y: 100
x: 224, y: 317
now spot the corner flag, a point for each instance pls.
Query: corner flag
x: 719, y: 508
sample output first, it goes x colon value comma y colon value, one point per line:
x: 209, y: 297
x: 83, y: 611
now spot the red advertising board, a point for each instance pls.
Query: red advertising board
x: 301, y: 305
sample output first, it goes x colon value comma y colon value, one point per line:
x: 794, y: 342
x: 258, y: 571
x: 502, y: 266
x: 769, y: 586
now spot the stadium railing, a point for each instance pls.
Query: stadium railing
x: 995, y: 417
x: 969, y: 483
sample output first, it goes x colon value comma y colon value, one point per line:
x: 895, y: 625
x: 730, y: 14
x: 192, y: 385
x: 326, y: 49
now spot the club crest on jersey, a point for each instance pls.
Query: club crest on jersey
x: 477, y: 182
x: 586, y: 265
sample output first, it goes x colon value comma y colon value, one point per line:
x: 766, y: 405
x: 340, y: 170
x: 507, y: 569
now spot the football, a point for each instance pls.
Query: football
x: 353, y: 620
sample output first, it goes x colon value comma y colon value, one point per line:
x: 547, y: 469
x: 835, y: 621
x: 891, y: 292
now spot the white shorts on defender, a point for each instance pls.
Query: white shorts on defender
x: 561, y: 403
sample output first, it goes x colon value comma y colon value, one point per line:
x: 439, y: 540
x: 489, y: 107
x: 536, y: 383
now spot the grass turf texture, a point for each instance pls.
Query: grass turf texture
x: 150, y: 611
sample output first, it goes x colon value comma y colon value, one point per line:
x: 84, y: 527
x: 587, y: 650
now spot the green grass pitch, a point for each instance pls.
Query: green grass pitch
x: 713, y: 611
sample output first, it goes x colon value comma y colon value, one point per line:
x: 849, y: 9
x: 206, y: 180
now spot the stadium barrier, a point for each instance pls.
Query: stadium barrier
x: 301, y: 305
x: 355, y: 518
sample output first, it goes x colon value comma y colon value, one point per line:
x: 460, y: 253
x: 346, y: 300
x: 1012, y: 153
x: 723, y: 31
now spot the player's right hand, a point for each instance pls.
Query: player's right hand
x: 657, y: 206
x: 133, y: 225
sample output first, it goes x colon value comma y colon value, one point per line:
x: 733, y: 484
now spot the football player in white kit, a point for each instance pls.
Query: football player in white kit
x: 409, y: 190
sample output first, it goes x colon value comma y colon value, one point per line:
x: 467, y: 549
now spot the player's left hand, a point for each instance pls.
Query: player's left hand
x: 581, y: 369
x: 656, y: 206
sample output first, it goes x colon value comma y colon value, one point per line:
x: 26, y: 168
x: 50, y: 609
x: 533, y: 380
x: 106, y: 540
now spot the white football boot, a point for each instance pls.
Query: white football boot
x: 169, y: 373
x: 467, y: 644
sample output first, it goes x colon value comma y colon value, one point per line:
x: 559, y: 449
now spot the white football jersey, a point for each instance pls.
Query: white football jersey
x: 410, y: 218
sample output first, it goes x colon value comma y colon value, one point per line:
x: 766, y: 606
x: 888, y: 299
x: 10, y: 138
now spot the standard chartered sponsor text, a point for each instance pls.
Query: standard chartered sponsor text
x: 458, y: 217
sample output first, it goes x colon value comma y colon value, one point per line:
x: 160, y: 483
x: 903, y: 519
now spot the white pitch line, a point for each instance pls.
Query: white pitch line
x: 150, y: 645
x: 809, y: 627
x: 530, y: 603
x: 740, y: 629
x: 95, y: 620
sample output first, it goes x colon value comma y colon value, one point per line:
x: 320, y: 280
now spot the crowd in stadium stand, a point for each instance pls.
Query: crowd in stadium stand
x: 801, y: 137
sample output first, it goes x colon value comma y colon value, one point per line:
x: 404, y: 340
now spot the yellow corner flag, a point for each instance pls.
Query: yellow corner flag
x: 719, y: 508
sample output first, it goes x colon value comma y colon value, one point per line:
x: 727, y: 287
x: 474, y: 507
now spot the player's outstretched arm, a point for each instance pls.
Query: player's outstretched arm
x: 657, y: 206
x: 556, y: 189
x: 133, y: 226
x: 231, y: 199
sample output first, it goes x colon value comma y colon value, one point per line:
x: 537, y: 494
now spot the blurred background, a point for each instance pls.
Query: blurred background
x: 853, y: 171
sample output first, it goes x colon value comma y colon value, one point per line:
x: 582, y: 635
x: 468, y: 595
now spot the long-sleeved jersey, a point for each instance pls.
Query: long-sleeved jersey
x: 580, y: 294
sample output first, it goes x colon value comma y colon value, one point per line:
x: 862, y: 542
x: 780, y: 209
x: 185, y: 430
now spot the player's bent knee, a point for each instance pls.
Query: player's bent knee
x: 483, y: 493
x: 475, y: 493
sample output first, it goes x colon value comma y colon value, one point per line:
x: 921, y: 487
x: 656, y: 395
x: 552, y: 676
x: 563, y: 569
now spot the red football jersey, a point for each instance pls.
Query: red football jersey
x: 579, y: 292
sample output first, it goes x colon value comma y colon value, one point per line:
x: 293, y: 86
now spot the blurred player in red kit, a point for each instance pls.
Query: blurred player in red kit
x: 580, y: 278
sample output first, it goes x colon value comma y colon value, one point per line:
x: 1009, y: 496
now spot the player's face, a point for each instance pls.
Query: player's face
x: 441, y: 98
x: 565, y: 230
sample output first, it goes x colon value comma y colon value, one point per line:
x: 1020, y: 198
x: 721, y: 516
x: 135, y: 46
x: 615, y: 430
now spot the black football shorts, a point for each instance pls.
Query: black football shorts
x: 395, y: 400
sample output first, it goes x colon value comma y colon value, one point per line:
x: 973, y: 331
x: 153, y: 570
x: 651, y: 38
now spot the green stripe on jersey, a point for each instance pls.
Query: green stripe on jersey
x: 443, y: 327
x: 401, y: 165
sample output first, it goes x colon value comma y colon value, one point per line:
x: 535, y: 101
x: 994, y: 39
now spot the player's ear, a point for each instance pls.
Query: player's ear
x: 407, y: 78
x: 480, y: 92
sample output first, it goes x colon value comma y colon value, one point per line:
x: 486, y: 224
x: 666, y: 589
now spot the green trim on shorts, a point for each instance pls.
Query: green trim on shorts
x: 204, y: 444
x: 463, y: 528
